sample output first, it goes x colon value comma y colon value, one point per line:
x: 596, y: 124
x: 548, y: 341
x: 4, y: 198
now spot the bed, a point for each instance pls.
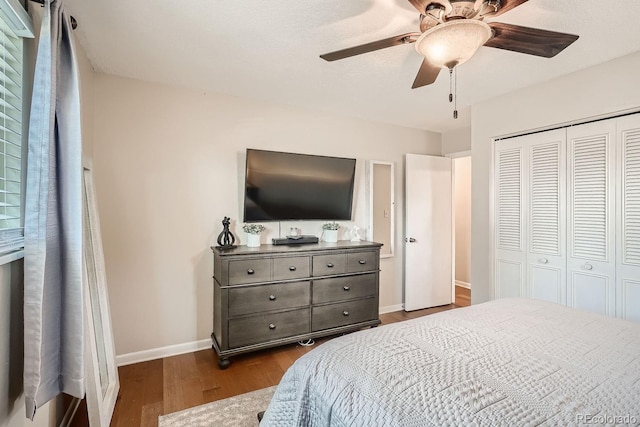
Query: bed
x: 511, y: 362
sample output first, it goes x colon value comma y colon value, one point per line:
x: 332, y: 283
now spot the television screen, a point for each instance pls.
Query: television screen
x: 288, y: 186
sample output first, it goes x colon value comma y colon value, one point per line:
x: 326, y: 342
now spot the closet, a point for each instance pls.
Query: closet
x: 567, y: 216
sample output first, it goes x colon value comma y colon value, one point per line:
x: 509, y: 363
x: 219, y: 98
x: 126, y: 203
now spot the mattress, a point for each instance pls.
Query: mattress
x: 509, y: 362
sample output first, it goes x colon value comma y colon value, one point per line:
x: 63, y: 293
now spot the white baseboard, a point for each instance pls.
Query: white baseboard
x: 174, y: 350
x: 463, y: 284
x: 158, y: 353
x: 391, y: 308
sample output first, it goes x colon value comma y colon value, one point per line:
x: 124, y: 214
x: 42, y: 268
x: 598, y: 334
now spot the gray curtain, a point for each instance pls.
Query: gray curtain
x: 53, y: 300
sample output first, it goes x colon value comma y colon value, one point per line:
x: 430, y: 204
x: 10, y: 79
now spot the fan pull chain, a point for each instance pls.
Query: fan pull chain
x: 455, y: 94
x: 450, y: 84
x: 453, y: 89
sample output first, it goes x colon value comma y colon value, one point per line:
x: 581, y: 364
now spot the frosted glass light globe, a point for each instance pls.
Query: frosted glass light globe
x: 453, y: 43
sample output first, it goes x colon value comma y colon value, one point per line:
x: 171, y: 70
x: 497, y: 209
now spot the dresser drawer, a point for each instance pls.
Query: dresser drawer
x: 343, y: 313
x: 267, y: 327
x: 362, y: 261
x: 290, y: 268
x: 255, y: 299
x: 344, y: 288
x: 325, y: 265
x: 249, y: 271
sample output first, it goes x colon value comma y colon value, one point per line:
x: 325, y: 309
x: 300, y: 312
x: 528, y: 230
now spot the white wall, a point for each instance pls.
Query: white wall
x: 456, y: 141
x: 169, y: 164
x: 601, y: 90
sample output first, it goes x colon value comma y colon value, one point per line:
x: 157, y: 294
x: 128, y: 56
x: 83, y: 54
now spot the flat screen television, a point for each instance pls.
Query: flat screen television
x: 288, y: 186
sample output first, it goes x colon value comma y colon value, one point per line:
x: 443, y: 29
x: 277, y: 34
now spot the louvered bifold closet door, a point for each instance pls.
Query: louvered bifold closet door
x: 510, y: 252
x: 628, y: 218
x: 591, y: 227
x: 546, y: 214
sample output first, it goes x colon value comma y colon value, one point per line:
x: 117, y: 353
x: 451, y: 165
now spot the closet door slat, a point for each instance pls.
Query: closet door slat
x: 631, y: 197
x: 509, y: 199
x: 545, y: 198
x: 589, y: 197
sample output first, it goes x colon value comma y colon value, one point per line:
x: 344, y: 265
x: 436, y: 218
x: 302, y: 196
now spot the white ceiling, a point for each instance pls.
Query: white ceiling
x: 268, y: 50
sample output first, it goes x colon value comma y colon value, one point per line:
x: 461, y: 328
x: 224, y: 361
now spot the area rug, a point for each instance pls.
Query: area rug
x: 236, y: 411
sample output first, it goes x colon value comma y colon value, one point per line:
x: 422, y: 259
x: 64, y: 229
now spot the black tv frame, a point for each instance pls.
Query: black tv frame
x: 312, y: 201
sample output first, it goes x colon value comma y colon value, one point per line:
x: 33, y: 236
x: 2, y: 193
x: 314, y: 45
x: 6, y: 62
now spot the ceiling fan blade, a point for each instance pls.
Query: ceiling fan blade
x: 507, y: 5
x: 369, y: 47
x: 420, y: 5
x: 532, y: 41
x: 426, y: 75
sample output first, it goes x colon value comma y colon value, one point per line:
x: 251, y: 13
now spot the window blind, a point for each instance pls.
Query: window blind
x: 11, y: 58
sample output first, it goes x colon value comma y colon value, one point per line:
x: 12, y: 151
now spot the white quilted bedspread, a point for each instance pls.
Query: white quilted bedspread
x: 510, y: 362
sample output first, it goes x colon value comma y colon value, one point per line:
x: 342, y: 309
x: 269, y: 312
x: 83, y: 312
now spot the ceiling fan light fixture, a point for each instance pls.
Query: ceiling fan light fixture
x: 454, y: 42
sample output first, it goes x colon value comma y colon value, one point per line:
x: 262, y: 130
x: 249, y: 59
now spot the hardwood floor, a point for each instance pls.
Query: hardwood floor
x: 463, y: 296
x: 162, y: 386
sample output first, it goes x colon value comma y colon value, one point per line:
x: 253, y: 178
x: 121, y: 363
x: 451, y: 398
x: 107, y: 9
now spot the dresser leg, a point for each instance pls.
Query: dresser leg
x: 224, y: 362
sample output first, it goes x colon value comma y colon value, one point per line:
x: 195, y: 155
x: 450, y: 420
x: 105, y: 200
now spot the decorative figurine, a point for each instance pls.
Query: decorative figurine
x: 226, y: 239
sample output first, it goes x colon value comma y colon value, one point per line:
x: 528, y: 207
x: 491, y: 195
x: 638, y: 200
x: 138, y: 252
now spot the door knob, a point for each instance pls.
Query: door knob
x: 587, y: 266
x: 543, y: 260
x: 410, y: 240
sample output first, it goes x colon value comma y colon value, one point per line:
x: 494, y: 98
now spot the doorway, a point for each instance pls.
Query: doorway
x: 428, y: 231
x: 461, y: 169
x: 437, y: 247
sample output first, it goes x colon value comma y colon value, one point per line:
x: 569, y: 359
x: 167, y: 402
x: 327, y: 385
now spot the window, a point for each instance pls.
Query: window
x: 14, y: 24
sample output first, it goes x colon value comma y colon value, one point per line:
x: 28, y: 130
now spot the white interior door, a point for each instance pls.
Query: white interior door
x: 428, y: 220
x: 591, y: 239
x: 546, y: 213
x: 510, y: 248
x: 628, y: 218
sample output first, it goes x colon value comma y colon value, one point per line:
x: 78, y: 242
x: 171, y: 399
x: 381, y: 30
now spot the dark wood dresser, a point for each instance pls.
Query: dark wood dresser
x: 274, y: 295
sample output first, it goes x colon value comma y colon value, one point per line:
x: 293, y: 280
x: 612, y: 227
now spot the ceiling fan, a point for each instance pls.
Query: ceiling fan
x: 451, y: 31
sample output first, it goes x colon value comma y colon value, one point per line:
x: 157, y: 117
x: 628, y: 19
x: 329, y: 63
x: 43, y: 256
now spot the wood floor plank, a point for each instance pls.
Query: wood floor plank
x: 182, y: 387
x: 153, y: 386
x: 172, y: 397
x: 150, y: 414
x: 128, y: 410
x: 463, y: 296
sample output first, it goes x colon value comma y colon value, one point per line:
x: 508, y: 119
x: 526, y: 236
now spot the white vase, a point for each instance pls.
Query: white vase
x: 330, y: 236
x: 253, y: 240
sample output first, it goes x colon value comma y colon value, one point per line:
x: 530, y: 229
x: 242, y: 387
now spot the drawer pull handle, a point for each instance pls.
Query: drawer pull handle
x: 330, y: 265
x: 346, y: 288
x: 362, y: 262
x: 292, y: 268
x: 250, y: 271
x: 345, y: 313
x: 272, y: 297
x: 272, y: 326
